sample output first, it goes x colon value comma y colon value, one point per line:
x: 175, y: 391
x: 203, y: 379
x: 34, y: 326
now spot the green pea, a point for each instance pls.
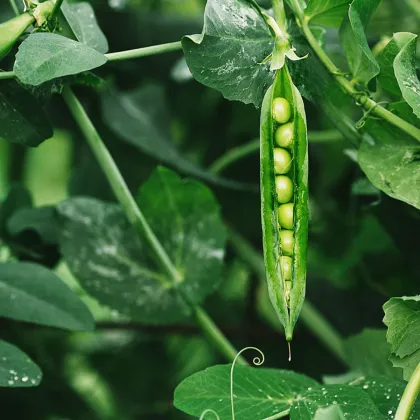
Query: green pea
x: 281, y: 110
x: 284, y: 135
x: 284, y: 188
x: 285, y: 215
x: 282, y: 161
x: 286, y: 268
x: 287, y: 241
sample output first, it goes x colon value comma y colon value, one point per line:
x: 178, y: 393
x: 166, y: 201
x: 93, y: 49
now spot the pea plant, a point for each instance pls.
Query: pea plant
x: 153, y: 228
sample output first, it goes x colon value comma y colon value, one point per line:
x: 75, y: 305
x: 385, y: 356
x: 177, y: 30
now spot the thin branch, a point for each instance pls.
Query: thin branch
x: 409, y: 396
x: 136, y: 217
x: 15, y: 7
x: 144, y: 52
x: 7, y: 75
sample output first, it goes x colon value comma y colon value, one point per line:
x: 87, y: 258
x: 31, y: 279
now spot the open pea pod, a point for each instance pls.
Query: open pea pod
x: 284, y: 197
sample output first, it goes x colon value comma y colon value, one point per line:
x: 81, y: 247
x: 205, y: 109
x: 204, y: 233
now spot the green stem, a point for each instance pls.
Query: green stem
x: 7, y: 75
x: 409, y: 396
x: 15, y: 8
x: 216, y: 336
x: 233, y: 155
x: 311, y: 317
x: 135, y: 216
x: 279, y: 415
x: 56, y: 8
x: 367, y: 103
x: 414, y: 5
x: 144, y: 52
x: 4, y: 167
x: 239, y: 152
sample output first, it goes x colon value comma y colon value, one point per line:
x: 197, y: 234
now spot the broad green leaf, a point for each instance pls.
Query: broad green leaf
x: 44, y: 56
x: 30, y: 292
x: 406, y: 70
x: 390, y: 158
x: 39, y: 220
x: 354, y: 403
x: 327, y: 12
x: 368, y: 353
x: 229, y: 55
x: 118, y: 268
x: 22, y: 119
x: 362, y: 62
x: 386, y: 393
x: 402, y: 317
x: 16, y: 368
x: 82, y: 20
x: 332, y: 412
x: 258, y: 392
x: 141, y: 118
x: 386, y: 76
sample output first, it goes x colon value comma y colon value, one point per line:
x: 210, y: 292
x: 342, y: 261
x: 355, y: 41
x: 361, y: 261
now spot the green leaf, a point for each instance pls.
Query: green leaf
x: 16, y: 368
x: 45, y: 56
x: 402, y: 317
x: 362, y: 62
x: 391, y: 158
x: 229, y: 55
x: 354, y: 403
x: 82, y: 20
x: 405, y: 70
x: 368, y: 353
x: 386, y: 393
x: 141, y: 118
x: 332, y: 412
x: 327, y: 12
x: 117, y: 267
x: 258, y: 392
x: 32, y: 293
x: 22, y: 119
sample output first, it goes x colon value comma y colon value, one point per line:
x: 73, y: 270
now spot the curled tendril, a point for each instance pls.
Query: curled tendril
x: 209, y: 410
x: 256, y: 361
x: 359, y: 124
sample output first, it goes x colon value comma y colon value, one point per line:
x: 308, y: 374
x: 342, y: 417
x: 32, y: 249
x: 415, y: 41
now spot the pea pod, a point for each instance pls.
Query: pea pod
x: 284, y: 225
x: 12, y: 30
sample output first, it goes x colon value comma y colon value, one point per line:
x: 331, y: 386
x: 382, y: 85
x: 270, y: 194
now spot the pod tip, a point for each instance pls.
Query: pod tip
x: 290, y: 351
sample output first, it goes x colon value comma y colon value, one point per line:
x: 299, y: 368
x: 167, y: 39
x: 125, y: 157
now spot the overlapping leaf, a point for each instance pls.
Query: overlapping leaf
x: 326, y: 12
x: 22, y: 119
x: 258, y: 392
x: 82, y: 20
x: 362, y: 62
x: 45, y: 56
x: 391, y: 158
x: 16, y: 368
x: 229, y: 55
x: 402, y: 317
x: 118, y: 267
x: 29, y: 292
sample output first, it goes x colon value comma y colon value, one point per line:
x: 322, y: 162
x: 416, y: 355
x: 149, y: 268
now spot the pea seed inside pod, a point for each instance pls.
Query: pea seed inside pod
x: 287, y: 241
x: 285, y: 215
x: 286, y: 268
x: 281, y: 110
x: 282, y: 161
x: 284, y: 188
x: 284, y: 135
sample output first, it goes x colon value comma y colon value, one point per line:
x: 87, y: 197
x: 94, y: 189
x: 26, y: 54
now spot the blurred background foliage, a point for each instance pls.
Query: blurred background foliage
x: 363, y: 246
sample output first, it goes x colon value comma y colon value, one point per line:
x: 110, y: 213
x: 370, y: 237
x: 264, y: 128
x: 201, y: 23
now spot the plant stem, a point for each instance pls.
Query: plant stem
x: 56, y: 7
x: 414, y: 5
x: 311, y: 317
x: 15, y: 8
x: 279, y: 415
x: 144, y: 52
x: 135, y: 216
x: 409, y: 396
x: 233, y: 155
x: 239, y: 152
x: 216, y: 336
x: 7, y: 75
x: 368, y: 104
